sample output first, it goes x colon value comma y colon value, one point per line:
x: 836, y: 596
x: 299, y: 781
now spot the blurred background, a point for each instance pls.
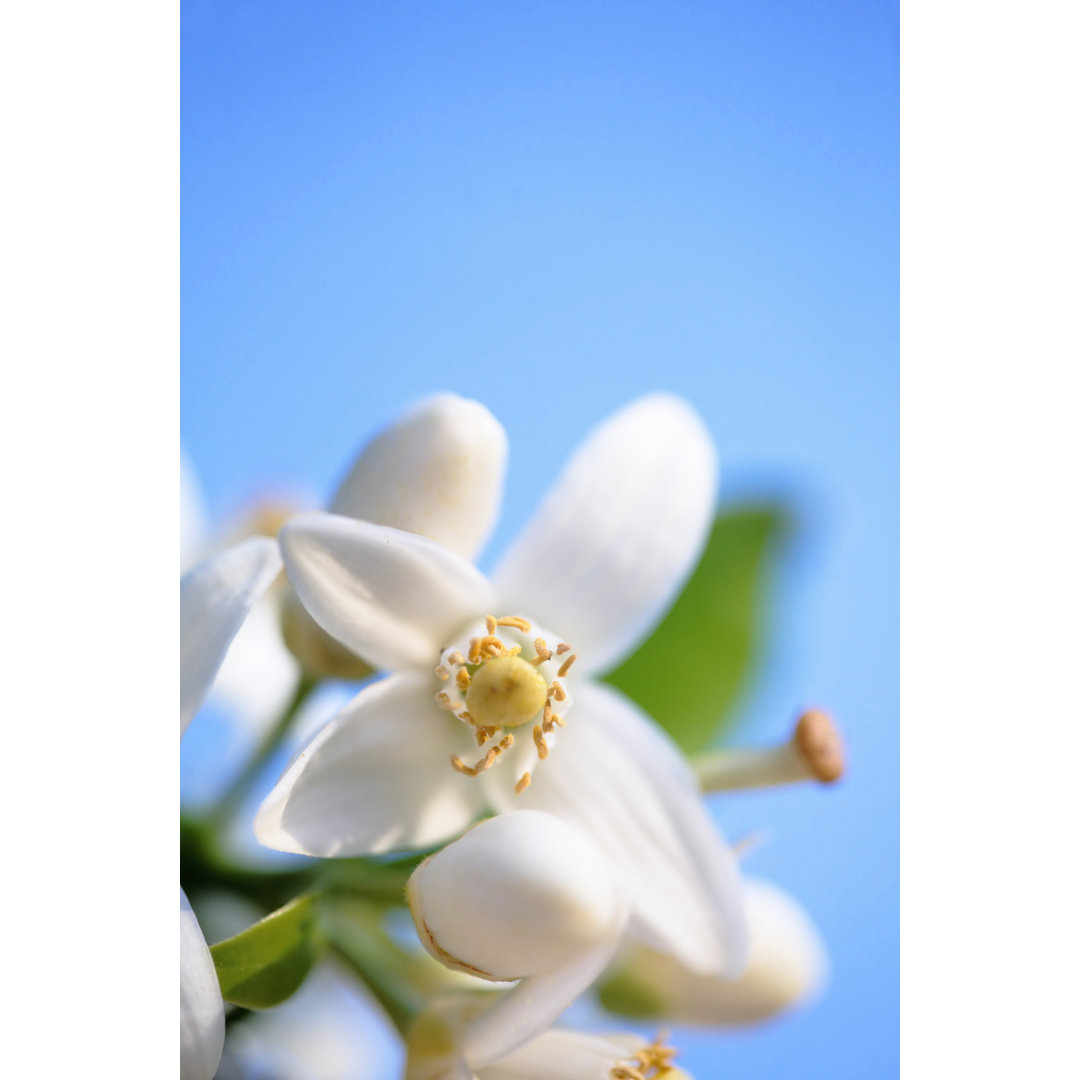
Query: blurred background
x: 553, y: 208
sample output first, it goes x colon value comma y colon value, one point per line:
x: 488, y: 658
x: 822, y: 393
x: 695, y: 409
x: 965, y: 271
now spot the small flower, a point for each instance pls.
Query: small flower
x: 215, y: 598
x: 787, y: 967
x: 526, y: 898
x: 494, y: 701
x: 435, y: 1051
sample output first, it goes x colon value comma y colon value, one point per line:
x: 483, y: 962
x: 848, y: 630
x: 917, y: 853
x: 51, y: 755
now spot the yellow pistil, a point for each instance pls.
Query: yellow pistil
x: 505, y: 692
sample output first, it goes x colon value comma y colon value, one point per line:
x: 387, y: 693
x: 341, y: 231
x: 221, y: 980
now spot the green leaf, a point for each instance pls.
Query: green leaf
x: 690, y: 673
x: 266, y: 963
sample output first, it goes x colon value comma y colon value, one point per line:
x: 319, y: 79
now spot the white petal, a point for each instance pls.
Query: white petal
x: 618, y: 776
x: 202, y: 1012
x: 259, y: 675
x: 215, y: 597
x: 532, y: 1007
x: 619, y: 533
x: 376, y: 778
x: 562, y: 1054
x: 393, y: 598
x: 437, y: 472
x: 787, y: 966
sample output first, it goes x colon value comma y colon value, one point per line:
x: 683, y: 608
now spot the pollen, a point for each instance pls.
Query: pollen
x: 505, y: 692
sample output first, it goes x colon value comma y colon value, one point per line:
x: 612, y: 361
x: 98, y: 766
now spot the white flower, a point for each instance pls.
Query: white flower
x: 435, y: 1052
x: 787, y: 967
x: 215, y: 597
x: 483, y: 687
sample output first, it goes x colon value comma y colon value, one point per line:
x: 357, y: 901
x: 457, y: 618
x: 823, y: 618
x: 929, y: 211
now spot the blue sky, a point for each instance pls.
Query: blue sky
x: 554, y: 208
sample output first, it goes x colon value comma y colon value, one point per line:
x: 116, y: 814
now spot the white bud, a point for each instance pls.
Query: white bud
x: 787, y: 966
x: 521, y: 894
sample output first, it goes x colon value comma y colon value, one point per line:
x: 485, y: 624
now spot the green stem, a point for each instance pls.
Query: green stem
x: 241, y: 786
x: 354, y: 931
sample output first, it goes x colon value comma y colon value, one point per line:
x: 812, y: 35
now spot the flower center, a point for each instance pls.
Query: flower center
x: 503, y: 674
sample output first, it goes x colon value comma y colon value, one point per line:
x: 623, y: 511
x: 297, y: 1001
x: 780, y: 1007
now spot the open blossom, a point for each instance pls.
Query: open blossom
x: 215, y: 598
x: 493, y: 702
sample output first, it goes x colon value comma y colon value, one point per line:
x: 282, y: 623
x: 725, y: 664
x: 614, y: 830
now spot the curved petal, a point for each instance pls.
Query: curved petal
x: 393, y: 598
x: 202, y: 1012
x: 215, y: 598
x: 787, y: 966
x: 615, y: 774
x: 533, y: 1006
x: 376, y: 778
x: 437, y: 472
x: 617, y: 536
x: 562, y: 1054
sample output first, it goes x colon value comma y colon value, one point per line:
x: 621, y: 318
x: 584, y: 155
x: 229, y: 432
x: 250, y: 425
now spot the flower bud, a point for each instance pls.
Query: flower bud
x: 521, y: 894
x: 786, y: 966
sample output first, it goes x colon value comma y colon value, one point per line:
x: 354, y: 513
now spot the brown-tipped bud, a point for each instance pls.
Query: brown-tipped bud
x: 818, y: 740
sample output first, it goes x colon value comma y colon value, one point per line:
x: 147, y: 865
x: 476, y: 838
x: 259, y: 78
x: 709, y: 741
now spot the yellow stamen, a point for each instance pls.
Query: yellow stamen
x: 523, y: 783
x: 541, y: 743
x: 491, y: 622
x: 516, y: 621
x: 455, y: 658
x: 474, y: 650
x: 462, y: 679
x: 442, y: 673
x: 563, y: 648
x: 567, y: 664
x: 560, y: 693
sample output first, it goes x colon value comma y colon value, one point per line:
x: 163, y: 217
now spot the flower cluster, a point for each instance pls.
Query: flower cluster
x: 567, y: 842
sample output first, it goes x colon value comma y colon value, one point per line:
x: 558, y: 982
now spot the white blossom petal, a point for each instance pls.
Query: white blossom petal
x: 437, y: 472
x: 202, y: 1012
x: 616, y: 775
x: 215, y: 598
x: 393, y: 598
x: 617, y: 536
x: 787, y: 966
x: 376, y: 778
x: 533, y: 1006
x: 562, y: 1054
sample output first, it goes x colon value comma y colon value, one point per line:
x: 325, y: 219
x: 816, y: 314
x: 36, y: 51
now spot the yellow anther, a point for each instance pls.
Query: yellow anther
x: 541, y: 743
x: 455, y: 658
x: 567, y: 664
x: 523, y: 783
x: 563, y: 648
x: 474, y: 650
x: 506, y: 692
x: 491, y: 623
x: 442, y: 698
x: 542, y: 651
x: 516, y: 621
x: 462, y: 679
x: 560, y: 693
x: 461, y: 767
x: 442, y: 673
